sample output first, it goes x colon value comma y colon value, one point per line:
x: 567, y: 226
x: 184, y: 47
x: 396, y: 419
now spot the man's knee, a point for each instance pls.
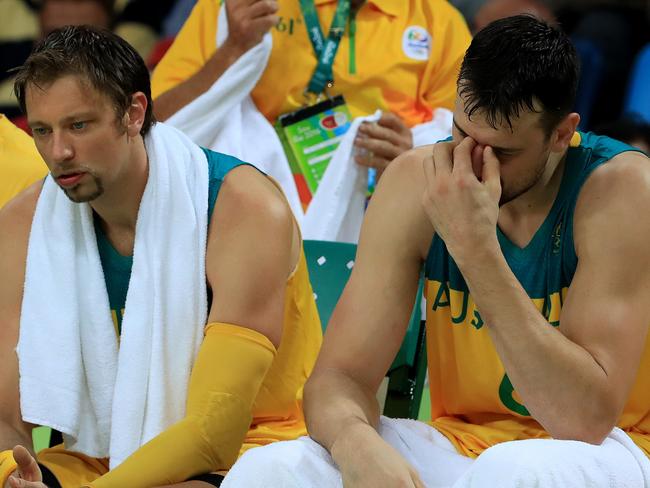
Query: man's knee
x: 518, y: 463
x: 270, y: 465
x: 262, y: 458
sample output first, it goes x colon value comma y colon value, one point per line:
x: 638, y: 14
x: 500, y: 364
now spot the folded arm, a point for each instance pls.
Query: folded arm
x: 575, y: 379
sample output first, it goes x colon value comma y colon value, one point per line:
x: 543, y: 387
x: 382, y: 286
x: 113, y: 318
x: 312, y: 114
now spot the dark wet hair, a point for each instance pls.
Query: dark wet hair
x: 519, y: 64
x: 109, y: 63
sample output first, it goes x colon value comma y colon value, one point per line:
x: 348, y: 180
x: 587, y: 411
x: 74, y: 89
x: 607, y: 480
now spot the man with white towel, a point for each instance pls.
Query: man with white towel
x: 156, y: 293
x: 534, y: 242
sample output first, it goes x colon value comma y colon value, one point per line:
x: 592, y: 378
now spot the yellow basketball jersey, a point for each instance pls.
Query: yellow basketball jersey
x: 473, y: 401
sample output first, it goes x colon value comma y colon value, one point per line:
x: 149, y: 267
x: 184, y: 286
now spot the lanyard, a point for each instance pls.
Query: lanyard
x: 325, y: 49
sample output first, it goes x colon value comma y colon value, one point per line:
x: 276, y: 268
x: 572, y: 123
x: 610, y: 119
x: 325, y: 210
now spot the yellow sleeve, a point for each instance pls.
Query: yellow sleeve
x: 7, y: 466
x: 451, y: 38
x: 193, y: 46
x: 228, y: 372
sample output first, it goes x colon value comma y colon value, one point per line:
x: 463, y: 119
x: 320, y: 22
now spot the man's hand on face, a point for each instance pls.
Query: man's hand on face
x: 379, y: 143
x: 462, y: 196
x: 248, y: 21
x: 28, y: 474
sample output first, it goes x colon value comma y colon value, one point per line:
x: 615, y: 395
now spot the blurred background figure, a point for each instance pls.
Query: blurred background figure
x: 23, y: 22
x: 33, y: 21
x: 607, y: 33
x: 630, y: 129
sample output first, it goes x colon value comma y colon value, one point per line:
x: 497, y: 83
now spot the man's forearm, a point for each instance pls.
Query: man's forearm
x: 560, y: 382
x: 337, y: 406
x: 182, y: 94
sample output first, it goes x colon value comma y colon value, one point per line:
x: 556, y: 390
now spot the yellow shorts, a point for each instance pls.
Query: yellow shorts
x: 72, y: 469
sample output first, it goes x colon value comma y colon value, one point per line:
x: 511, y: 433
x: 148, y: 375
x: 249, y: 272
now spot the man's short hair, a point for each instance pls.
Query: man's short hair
x: 104, y: 59
x: 519, y: 64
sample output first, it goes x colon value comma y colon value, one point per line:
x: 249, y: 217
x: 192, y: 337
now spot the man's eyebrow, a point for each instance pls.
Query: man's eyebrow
x: 496, y: 148
x: 78, y: 116
x: 65, y: 120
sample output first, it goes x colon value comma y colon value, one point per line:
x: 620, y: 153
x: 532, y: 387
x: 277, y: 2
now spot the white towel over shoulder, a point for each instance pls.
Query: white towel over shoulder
x: 109, y: 400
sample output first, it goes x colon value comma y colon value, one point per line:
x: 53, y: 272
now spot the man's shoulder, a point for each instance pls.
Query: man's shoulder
x: 629, y: 170
x: 396, y: 213
x: 614, y: 196
x: 410, y: 163
x: 250, y: 199
x: 18, y: 212
x: 405, y: 175
x: 253, y: 191
x: 252, y: 226
x: 15, y: 225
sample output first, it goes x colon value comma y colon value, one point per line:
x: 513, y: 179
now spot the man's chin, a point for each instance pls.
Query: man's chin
x: 77, y: 197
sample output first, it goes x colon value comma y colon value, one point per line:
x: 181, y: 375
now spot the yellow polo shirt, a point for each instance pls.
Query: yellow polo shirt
x: 404, y: 57
x: 20, y: 163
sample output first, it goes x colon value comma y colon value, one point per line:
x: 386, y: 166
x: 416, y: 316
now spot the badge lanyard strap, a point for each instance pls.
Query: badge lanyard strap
x: 325, y: 49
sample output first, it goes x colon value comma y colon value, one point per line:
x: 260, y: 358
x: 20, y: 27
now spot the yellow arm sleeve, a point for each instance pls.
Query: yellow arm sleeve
x: 227, y: 375
x: 7, y: 466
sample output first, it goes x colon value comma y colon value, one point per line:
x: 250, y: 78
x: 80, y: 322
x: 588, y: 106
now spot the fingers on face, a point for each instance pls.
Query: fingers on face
x: 463, y: 155
x: 442, y: 157
x: 477, y: 160
x: 491, y: 170
x: 429, y: 169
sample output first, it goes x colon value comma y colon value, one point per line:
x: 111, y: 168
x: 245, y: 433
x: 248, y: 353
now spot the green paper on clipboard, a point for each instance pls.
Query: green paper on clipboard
x: 310, y: 137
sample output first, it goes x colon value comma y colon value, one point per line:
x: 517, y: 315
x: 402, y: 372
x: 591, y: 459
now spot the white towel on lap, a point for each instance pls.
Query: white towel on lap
x: 540, y: 463
x: 109, y: 400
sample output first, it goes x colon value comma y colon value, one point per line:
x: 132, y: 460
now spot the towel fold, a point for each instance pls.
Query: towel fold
x: 337, y: 209
x: 107, y: 399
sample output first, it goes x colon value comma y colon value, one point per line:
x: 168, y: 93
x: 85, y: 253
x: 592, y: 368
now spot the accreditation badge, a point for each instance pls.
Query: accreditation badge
x: 310, y: 137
